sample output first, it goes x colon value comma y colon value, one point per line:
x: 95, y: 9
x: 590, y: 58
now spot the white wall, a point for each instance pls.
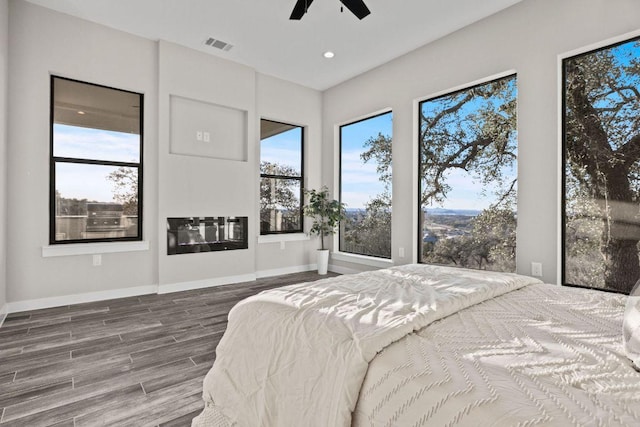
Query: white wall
x: 287, y: 102
x: 205, y: 186
x: 4, y: 51
x: 42, y: 43
x: 527, y: 38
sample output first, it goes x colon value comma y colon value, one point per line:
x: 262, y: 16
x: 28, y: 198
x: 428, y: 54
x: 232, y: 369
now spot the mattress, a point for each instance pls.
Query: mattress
x: 423, y: 345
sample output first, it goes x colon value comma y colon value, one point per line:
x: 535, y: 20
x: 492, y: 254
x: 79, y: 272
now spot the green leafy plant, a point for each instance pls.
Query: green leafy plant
x: 326, y: 213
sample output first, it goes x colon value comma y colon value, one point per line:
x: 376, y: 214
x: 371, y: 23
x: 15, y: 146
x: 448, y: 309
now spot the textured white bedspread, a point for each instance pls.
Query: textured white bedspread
x: 298, y: 355
x: 543, y: 355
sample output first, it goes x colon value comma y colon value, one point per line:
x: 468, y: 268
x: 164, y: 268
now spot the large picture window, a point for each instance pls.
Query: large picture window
x: 467, y: 172
x: 601, y: 164
x: 96, y: 163
x: 365, y: 186
x: 281, y: 177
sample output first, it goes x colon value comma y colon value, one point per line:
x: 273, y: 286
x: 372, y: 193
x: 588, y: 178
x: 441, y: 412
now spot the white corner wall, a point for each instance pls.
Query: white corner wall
x: 526, y: 38
x: 43, y: 42
x: 4, y: 53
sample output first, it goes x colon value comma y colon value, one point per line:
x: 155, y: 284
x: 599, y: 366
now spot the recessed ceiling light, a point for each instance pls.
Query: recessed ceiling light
x: 328, y: 54
x: 81, y: 112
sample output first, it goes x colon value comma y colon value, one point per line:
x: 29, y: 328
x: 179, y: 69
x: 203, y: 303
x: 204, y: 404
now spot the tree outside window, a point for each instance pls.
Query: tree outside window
x: 96, y: 163
x: 601, y: 137
x: 281, y: 177
x: 468, y: 191
x: 365, y: 186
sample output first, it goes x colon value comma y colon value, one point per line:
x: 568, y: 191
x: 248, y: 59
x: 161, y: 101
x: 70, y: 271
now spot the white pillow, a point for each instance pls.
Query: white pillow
x: 631, y: 327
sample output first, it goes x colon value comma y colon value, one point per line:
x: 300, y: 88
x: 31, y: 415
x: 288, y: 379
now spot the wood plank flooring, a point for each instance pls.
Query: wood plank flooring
x: 136, y: 361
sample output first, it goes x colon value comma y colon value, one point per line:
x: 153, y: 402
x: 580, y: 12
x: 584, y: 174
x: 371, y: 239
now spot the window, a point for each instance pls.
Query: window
x: 601, y: 168
x: 365, y: 186
x: 96, y: 163
x: 467, y: 171
x: 281, y: 177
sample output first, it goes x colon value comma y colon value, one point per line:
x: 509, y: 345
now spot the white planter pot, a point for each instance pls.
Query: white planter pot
x: 323, y: 260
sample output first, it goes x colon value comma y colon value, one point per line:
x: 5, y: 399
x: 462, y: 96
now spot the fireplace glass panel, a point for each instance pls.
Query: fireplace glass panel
x: 205, y: 234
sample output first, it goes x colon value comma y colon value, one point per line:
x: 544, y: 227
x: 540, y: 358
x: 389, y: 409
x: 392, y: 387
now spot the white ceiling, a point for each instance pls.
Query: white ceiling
x: 265, y: 39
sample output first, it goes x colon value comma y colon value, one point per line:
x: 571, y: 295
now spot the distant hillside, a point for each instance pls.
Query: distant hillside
x: 457, y: 212
x: 430, y: 211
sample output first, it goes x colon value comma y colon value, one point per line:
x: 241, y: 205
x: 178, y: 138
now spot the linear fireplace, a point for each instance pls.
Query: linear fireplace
x: 204, y: 234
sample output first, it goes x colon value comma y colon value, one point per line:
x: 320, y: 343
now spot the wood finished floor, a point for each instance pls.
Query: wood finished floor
x: 136, y: 361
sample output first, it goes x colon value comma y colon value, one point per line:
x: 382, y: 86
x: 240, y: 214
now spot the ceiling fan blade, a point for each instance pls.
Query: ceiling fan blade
x: 357, y: 7
x: 300, y: 9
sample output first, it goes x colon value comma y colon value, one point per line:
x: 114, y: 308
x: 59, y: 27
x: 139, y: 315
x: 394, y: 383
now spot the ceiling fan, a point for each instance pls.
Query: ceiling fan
x: 357, y: 7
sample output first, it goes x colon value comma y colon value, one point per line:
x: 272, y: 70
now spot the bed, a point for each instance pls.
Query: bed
x: 423, y: 345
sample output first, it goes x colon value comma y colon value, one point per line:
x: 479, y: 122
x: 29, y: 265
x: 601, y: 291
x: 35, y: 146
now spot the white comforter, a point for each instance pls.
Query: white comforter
x: 298, y: 355
x: 543, y: 355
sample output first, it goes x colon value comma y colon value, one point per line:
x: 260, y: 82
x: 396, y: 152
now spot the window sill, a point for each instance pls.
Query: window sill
x: 93, y: 248
x: 276, y: 238
x: 362, y: 259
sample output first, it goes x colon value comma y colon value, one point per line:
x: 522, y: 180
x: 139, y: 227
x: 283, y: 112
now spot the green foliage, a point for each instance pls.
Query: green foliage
x: 490, y: 244
x: 379, y: 149
x: 326, y: 213
x: 602, y: 142
x: 473, y: 130
x: 125, y: 188
x: 279, y: 195
x: 371, y: 234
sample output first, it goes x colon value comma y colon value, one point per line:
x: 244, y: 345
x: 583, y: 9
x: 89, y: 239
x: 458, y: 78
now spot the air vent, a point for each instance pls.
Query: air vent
x: 218, y: 44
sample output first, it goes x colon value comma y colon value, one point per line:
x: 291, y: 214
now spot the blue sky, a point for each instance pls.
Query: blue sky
x: 283, y: 148
x: 467, y: 192
x: 359, y: 180
x: 89, y: 181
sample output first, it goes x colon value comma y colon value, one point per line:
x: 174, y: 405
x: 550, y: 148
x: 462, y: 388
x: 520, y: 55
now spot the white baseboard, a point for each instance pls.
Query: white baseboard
x: 4, y: 310
x: 343, y: 270
x: 207, y: 283
x: 36, y: 304
x: 286, y: 270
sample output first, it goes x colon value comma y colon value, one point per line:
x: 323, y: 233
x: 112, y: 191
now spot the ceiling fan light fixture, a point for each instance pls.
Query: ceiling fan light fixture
x: 357, y: 7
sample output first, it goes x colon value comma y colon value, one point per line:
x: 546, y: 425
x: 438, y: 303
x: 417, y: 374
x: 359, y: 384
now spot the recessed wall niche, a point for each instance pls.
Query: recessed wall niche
x: 205, y: 129
x: 189, y: 235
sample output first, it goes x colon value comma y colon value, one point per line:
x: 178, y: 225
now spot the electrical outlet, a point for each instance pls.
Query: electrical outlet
x: 401, y: 252
x: 536, y: 269
x: 207, y: 137
x: 281, y: 244
x: 97, y: 260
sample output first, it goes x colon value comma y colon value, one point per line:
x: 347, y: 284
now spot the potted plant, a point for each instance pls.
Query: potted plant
x: 327, y: 214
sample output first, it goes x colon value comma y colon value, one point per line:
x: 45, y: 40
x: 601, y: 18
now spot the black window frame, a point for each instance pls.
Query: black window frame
x: 341, y: 227
x: 54, y: 160
x: 419, y: 236
x: 299, y: 179
x: 564, y: 160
